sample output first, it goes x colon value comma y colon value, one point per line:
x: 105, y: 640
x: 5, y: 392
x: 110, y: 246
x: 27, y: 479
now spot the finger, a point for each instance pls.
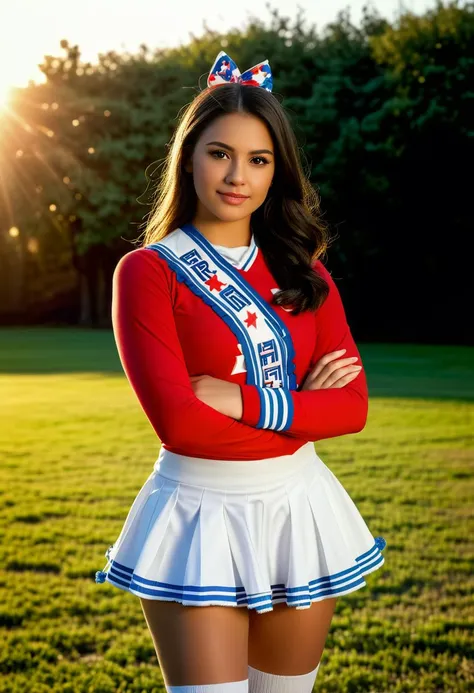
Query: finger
x: 336, y: 375
x: 339, y: 380
x: 328, y: 367
x: 334, y: 369
x: 327, y: 358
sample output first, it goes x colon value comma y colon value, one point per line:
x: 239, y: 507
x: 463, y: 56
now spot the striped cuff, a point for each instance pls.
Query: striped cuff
x: 267, y: 407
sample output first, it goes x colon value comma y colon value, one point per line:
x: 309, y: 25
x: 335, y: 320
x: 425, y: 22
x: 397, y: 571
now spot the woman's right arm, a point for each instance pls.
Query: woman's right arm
x: 152, y: 358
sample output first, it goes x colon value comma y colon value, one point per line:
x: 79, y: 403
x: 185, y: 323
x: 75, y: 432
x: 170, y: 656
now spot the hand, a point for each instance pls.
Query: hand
x: 218, y: 394
x: 329, y: 372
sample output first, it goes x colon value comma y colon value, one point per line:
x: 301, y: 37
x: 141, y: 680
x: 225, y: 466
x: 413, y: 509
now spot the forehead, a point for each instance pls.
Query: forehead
x: 238, y: 130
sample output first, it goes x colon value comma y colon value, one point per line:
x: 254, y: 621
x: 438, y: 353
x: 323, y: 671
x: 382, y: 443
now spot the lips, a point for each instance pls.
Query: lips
x: 232, y: 199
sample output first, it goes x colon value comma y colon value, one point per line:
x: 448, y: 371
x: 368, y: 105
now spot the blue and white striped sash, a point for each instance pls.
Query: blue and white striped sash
x: 266, y: 342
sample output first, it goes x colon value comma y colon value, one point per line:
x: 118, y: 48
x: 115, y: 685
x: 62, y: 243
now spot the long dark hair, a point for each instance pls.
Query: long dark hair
x: 287, y: 227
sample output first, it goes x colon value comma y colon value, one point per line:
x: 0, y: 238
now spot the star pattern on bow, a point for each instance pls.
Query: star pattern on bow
x: 225, y: 70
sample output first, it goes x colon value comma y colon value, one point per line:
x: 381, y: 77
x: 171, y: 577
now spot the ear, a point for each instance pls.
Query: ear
x: 188, y: 166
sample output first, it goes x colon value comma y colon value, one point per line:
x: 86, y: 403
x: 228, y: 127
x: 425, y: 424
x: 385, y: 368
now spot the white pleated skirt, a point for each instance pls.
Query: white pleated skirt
x: 242, y: 533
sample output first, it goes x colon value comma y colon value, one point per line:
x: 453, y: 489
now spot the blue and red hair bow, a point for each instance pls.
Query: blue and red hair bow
x: 225, y: 70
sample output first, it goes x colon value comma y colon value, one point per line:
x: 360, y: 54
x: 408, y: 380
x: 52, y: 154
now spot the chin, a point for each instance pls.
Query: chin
x: 227, y: 214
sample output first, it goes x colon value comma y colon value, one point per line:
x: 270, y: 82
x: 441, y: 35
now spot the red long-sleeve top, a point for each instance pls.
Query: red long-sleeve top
x: 165, y: 334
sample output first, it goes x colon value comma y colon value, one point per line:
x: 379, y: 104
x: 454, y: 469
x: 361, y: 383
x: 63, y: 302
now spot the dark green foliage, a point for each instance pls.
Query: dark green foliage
x: 383, y: 114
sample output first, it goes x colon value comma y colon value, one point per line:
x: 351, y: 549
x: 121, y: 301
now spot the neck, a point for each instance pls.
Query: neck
x: 229, y: 235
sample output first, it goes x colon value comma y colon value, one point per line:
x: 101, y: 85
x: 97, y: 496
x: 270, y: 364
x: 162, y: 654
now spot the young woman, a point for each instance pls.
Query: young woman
x: 233, y: 336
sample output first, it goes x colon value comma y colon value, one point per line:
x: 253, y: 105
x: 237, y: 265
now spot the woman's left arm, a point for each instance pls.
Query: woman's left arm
x: 314, y: 414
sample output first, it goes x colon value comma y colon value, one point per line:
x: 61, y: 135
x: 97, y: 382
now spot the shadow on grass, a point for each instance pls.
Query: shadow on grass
x: 393, y: 370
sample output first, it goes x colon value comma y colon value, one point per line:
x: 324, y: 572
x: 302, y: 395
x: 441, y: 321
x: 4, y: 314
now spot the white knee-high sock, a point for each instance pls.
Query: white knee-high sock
x: 262, y: 682
x: 228, y: 687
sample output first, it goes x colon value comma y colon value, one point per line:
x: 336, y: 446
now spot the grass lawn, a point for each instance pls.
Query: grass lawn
x: 75, y: 447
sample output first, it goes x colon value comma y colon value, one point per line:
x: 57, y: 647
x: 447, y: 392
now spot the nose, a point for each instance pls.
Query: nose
x: 235, y: 175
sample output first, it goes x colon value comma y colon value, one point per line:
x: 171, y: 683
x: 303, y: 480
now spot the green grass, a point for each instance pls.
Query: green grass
x: 75, y: 448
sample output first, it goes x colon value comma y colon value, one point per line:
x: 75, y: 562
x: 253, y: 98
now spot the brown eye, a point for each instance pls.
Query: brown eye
x: 262, y: 158
x: 220, y: 151
x: 217, y: 151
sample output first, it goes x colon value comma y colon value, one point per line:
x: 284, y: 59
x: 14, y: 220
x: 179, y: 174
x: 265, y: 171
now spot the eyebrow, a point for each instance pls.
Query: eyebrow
x: 231, y: 149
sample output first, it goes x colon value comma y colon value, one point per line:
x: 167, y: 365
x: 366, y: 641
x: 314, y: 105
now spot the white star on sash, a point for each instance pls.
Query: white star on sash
x: 239, y: 366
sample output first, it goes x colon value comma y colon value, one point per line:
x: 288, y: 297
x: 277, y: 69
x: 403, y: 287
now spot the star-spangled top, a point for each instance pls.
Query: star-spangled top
x: 165, y: 334
x: 225, y: 70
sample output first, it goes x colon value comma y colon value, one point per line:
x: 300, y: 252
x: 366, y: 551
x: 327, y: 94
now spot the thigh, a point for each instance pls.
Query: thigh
x: 197, y: 645
x: 287, y: 641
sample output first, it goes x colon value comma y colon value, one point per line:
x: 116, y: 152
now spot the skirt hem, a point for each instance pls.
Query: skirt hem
x: 120, y: 576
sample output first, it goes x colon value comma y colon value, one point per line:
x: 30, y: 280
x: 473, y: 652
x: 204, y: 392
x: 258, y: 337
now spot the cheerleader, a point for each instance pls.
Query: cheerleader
x: 233, y: 336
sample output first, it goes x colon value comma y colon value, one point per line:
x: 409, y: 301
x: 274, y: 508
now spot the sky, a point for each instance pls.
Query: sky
x: 30, y: 29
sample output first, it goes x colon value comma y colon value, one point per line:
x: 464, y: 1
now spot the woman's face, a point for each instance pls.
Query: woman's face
x: 235, y: 154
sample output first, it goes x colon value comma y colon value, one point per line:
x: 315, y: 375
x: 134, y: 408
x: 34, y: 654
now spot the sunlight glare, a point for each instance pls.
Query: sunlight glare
x: 5, y: 93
